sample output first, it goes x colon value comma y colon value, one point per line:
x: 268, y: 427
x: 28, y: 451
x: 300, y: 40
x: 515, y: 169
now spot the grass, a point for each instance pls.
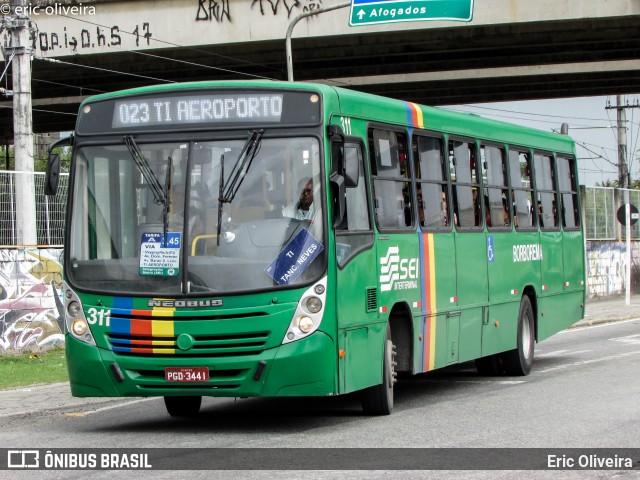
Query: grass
x: 32, y: 368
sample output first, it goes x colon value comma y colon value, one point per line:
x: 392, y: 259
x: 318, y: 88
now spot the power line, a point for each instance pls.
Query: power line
x: 198, y: 50
x: 532, y: 114
x: 520, y: 118
x: 196, y: 64
x: 146, y: 77
x: 44, y: 111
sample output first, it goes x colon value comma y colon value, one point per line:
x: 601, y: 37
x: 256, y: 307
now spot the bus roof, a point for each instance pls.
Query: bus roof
x: 385, y: 110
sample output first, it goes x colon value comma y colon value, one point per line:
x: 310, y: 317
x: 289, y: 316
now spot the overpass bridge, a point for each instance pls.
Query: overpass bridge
x: 511, y: 50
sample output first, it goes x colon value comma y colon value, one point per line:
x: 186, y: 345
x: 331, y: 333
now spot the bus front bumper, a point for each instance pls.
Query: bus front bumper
x: 303, y: 368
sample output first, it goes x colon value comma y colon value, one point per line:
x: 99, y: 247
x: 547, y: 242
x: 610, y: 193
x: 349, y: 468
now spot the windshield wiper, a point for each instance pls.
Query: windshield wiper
x: 159, y: 193
x: 228, y: 192
x: 242, y: 166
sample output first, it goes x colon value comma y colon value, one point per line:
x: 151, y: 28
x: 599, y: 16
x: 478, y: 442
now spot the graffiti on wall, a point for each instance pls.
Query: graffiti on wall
x: 63, y: 37
x: 30, y: 285
x: 607, y: 267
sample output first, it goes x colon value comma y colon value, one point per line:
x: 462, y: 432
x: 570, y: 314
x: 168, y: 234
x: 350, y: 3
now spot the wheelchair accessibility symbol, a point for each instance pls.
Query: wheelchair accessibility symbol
x: 490, y: 250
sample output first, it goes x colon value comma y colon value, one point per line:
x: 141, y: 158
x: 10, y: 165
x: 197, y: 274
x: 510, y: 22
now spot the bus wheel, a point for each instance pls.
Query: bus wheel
x: 183, y: 406
x: 519, y: 361
x: 378, y: 400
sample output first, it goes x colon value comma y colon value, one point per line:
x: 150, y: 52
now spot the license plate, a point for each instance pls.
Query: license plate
x: 186, y: 374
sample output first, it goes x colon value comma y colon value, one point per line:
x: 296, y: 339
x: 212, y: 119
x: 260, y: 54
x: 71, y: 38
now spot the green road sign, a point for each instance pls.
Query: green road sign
x: 369, y: 12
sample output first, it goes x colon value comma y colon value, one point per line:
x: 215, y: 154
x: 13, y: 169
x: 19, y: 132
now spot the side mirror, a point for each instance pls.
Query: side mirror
x: 337, y: 194
x: 52, y: 175
x: 351, y: 169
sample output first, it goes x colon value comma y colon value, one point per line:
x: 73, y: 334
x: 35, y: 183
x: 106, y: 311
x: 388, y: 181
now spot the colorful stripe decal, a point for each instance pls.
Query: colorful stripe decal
x: 429, y: 273
x: 135, y: 335
x: 415, y: 116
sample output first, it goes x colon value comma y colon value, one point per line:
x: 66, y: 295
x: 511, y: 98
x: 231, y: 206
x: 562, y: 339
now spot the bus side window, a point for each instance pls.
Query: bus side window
x: 465, y: 187
x: 357, y: 211
x: 432, y: 192
x: 354, y: 233
x: 568, y: 192
x: 391, y: 179
x: 545, y: 187
x: 497, y: 194
x: 520, y: 175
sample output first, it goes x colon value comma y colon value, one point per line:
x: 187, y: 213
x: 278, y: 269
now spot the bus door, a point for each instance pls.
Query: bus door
x: 397, y: 246
x: 437, y: 253
x: 470, y: 247
x: 505, y: 211
x: 548, y: 254
x: 356, y: 297
x: 572, y: 242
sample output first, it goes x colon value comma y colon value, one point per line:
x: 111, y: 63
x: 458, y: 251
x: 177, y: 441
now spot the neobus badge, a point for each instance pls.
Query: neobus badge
x: 398, y: 273
x: 184, y: 303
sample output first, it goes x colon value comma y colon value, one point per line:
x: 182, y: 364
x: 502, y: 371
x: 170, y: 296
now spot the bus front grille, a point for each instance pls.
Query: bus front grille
x: 193, y: 345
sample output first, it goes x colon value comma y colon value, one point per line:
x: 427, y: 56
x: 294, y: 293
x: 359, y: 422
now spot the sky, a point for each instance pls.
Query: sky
x: 591, y: 126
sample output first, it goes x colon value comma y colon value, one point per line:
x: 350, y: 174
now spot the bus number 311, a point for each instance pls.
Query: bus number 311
x: 101, y: 317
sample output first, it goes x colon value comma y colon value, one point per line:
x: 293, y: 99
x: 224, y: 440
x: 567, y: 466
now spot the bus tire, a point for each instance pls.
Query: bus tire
x: 183, y: 406
x: 378, y: 400
x: 518, y: 361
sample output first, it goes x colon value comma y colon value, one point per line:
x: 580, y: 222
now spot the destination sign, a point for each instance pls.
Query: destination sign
x: 197, y: 109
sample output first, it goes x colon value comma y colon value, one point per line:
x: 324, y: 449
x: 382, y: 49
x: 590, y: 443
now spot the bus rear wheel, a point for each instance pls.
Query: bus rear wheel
x: 518, y: 361
x: 183, y: 406
x: 378, y: 400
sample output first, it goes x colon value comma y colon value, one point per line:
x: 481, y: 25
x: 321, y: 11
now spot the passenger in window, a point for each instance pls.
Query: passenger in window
x: 302, y: 209
x: 487, y: 211
x: 420, y: 208
x: 476, y: 206
x: 505, y: 213
x: 444, y: 212
x: 541, y: 222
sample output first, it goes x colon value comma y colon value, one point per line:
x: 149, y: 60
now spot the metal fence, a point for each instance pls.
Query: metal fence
x: 50, y: 211
x: 600, y: 205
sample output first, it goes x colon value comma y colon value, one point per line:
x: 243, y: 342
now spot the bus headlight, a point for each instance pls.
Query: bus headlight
x: 314, y: 304
x: 79, y: 327
x: 308, y: 315
x: 305, y: 324
x: 73, y: 309
x: 75, y: 321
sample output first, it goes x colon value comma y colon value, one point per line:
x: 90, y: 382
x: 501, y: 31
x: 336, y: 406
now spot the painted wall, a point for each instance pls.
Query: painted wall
x: 607, y: 267
x: 74, y: 28
x: 31, y: 278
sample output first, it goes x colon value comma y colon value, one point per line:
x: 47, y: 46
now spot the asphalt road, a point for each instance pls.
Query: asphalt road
x: 583, y: 392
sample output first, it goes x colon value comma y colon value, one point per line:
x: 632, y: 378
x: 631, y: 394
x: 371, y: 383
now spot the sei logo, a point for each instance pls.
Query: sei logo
x: 397, y: 273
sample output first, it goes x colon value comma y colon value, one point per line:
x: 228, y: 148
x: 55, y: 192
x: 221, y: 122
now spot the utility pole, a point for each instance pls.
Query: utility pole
x: 623, y: 174
x: 624, y: 182
x: 623, y: 169
x: 20, y: 50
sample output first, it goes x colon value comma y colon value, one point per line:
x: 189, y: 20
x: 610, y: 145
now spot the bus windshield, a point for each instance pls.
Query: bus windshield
x: 176, y: 218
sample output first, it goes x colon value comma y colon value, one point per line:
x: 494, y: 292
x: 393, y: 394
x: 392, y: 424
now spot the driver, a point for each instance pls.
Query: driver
x: 303, y: 208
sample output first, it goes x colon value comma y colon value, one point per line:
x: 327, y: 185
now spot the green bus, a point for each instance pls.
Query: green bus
x: 258, y: 238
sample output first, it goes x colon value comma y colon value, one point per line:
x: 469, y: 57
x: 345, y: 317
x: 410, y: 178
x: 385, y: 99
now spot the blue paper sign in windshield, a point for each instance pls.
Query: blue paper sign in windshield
x: 294, y: 259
